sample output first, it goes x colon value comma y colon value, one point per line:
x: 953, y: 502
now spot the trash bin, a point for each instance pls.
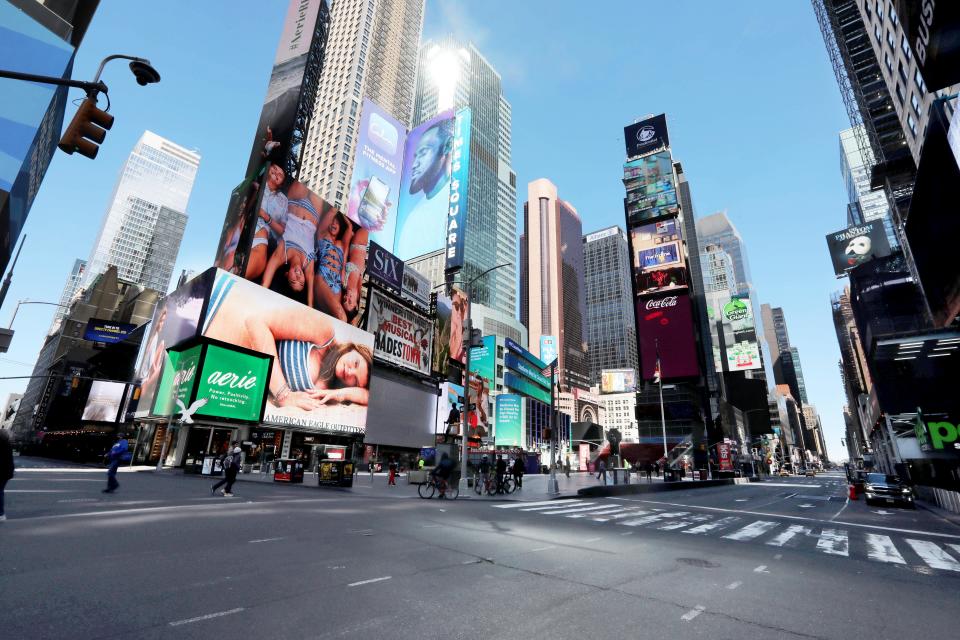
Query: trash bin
x: 702, y: 474
x: 671, y: 475
x: 288, y: 470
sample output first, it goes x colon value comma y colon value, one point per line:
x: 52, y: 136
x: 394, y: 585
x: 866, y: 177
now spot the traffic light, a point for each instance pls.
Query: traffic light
x: 87, y: 130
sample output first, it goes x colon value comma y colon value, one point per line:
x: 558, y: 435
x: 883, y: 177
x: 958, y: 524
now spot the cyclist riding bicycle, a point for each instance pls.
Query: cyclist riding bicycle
x: 441, y: 474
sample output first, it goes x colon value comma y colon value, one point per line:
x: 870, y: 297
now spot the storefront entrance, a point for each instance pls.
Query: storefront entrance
x: 202, y: 441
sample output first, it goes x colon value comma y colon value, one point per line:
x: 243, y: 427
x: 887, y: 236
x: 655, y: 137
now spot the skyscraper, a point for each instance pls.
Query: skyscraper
x: 864, y: 204
x: 371, y: 53
x: 611, y: 332
x: 144, y: 222
x: 778, y: 342
x: 69, y: 289
x: 717, y: 229
x: 454, y: 74
x: 801, y: 385
x: 552, y: 301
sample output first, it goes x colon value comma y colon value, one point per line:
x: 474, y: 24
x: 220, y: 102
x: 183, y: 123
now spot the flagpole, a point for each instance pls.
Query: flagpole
x: 663, y: 416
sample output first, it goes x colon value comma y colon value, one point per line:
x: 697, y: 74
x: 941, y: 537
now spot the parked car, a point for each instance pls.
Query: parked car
x: 810, y: 473
x: 879, y: 487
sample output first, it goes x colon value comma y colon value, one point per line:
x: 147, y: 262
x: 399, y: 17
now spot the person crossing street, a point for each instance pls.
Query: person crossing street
x: 231, y: 467
x: 119, y: 452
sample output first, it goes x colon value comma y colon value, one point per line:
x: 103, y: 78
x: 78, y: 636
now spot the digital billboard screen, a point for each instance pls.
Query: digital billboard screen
x: 416, y: 287
x: 385, y: 267
x: 297, y: 244
x: 740, y: 335
x: 425, y: 187
x: 104, y: 401
x: 459, y: 182
x: 232, y: 384
x: 651, y: 190
x: 107, y: 331
x: 646, y: 136
x: 618, y: 380
x: 375, y: 184
x: 401, y: 336
x: 856, y: 245
x: 549, y: 348
x: 657, y: 256
x: 509, y: 420
x: 179, y: 378
x: 448, y: 344
x: 320, y: 378
x: 665, y: 324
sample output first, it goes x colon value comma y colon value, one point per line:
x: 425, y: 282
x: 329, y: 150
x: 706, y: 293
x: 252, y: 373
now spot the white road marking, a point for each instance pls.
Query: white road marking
x: 627, y: 533
x: 792, y: 485
x: 533, y: 504
x: 752, y: 530
x: 805, y: 506
x: 834, y: 542
x: 577, y: 509
x: 626, y: 514
x: 372, y: 580
x: 882, y: 512
x: 778, y: 556
x: 218, y: 614
x: 549, y: 546
x: 785, y: 537
x: 680, y: 524
x: 955, y: 547
x: 734, y: 585
x: 933, y: 555
x: 710, y: 526
x: 564, y: 505
x: 761, y: 569
x: 264, y: 540
x: 42, y: 491
x: 592, y: 539
x: 608, y: 511
x: 693, y: 613
x: 656, y: 517
x: 740, y: 500
x: 881, y: 548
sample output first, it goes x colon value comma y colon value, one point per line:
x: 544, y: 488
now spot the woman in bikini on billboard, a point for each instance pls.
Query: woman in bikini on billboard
x: 311, y: 368
x: 271, y: 220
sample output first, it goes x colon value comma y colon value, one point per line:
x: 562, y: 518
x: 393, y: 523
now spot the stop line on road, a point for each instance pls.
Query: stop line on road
x: 832, y: 540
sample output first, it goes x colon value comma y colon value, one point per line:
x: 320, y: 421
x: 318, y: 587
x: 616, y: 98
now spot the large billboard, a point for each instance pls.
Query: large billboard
x: 176, y: 385
x: 449, y: 317
x: 646, y: 136
x: 651, y: 190
x: 107, y: 331
x: 232, y: 384
x: 297, y: 244
x: 855, y: 245
x: 416, y: 287
x: 549, y: 348
x: 740, y: 344
x: 103, y: 401
x: 483, y: 368
x: 425, y: 187
x: 933, y: 30
x: 175, y: 319
x: 657, y: 256
x: 375, y: 184
x: 385, y: 267
x: 665, y: 325
x: 320, y: 379
x: 618, y: 380
x: 401, y: 336
x: 509, y: 420
x: 459, y: 189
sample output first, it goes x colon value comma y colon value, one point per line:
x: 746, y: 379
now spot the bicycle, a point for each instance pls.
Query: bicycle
x: 447, y: 490
x: 485, y: 483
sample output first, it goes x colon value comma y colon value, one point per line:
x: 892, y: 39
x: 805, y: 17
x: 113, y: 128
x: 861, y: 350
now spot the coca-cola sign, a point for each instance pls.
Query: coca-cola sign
x: 661, y: 303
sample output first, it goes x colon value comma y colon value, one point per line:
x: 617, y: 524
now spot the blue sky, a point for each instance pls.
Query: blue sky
x: 752, y: 105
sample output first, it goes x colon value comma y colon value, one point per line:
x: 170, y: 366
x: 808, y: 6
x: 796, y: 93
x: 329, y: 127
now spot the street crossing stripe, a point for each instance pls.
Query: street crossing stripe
x: 785, y: 537
x: 881, y: 548
x: 933, y: 555
x: 566, y: 504
x: 630, y: 513
x: 834, y: 542
x: 576, y: 509
x: 608, y: 510
x: 680, y: 524
x: 517, y: 505
x: 752, y: 530
x: 710, y: 526
x: 656, y: 517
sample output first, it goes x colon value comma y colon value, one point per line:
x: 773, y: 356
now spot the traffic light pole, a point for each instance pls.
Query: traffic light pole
x: 95, y: 87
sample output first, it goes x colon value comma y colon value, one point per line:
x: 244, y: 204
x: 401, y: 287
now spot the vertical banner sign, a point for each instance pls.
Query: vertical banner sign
x: 459, y: 178
x: 584, y: 455
x: 723, y: 457
x: 509, y: 420
x: 548, y: 348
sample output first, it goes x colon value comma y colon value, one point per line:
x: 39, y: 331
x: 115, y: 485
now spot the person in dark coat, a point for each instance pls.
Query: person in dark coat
x: 231, y: 466
x: 501, y: 470
x: 119, y: 452
x: 518, y: 472
x: 6, y: 466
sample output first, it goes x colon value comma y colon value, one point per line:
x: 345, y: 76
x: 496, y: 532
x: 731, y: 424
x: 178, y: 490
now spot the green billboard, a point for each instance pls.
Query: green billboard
x: 509, y: 420
x: 233, y: 384
x: 483, y: 360
x: 176, y: 383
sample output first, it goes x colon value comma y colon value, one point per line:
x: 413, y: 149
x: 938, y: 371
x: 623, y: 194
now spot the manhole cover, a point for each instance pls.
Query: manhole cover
x: 698, y: 562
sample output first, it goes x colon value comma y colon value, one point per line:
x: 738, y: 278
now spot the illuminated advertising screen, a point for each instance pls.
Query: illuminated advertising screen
x: 657, y: 256
x: 297, y: 244
x: 321, y: 372
x: 424, y: 197
x: 104, y: 401
x: 375, y: 184
x: 232, y: 384
x: 646, y: 136
x: 618, y: 380
x: 509, y: 420
x: 549, y: 349
x: 107, y: 331
x: 401, y: 336
x: 459, y: 182
x: 651, y: 190
x: 483, y: 367
x: 179, y: 375
x: 665, y: 323
x: 740, y: 335
x: 856, y: 245
x: 385, y: 267
x: 176, y: 318
x: 451, y: 395
x: 416, y: 287
x: 448, y: 344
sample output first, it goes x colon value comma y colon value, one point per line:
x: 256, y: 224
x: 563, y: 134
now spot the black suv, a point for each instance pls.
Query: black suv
x: 879, y: 487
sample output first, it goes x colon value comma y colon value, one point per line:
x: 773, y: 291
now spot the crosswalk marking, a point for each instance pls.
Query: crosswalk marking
x: 656, y: 517
x: 680, y: 524
x: 933, y: 555
x: 517, y: 505
x: 955, y: 547
x: 711, y: 526
x: 834, y: 542
x: 751, y: 531
x: 565, y: 505
x: 882, y: 548
x: 606, y: 511
x: 575, y: 510
x: 619, y: 516
x: 786, y: 536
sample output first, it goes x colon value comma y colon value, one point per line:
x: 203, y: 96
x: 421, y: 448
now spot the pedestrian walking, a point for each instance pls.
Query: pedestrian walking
x: 566, y: 465
x: 119, y: 452
x: 649, y: 470
x: 6, y: 466
x: 392, y: 478
x: 518, y: 472
x: 231, y: 466
x: 501, y: 470
x: 602, y: 470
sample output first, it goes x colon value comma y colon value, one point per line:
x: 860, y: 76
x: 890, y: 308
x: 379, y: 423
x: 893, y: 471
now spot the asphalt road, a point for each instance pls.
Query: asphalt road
x: 162, y: 558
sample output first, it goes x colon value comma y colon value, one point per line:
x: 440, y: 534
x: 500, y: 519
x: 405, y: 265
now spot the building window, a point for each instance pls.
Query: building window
x: 887, y: 61
x: 915, y: 102
x: 913, y: 124
x: 893, y: 15
x: 905, y: 47
x: 903, y: 74
x: 880, y: 9
x: 900, y: 94
x: 920, y: 83
x: 890, y: 38
x: 877, y: 32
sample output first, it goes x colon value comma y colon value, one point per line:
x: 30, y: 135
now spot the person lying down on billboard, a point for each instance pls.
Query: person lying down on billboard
x: 312, y: 367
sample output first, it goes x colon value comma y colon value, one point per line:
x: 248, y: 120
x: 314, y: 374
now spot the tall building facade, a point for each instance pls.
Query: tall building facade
x: 70, y: 288
x: 611, y: 332
x: 552, y: 300
x: 781, y: 352
x: 454, y: 74
x: 147, y: 214
x: 801, y: 385
x: 371, y: 53
x: 717, y: 229
x: 865, y: 204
